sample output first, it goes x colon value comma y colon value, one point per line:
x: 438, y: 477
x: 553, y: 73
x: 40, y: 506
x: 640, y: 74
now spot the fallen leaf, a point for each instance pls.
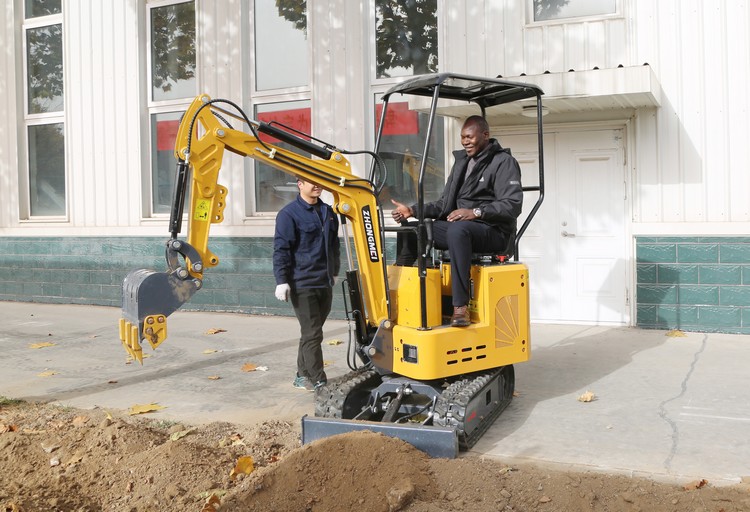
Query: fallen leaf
x: 214, y: 377
x: 212, y: 504
x: 588, y: 396
x: 244, y: 466
x: 42, y: 345
x: 334, y: 342
x: 80, y: 421
x: 327, y: 363
x: 48, y: 373
x: 696, y: 484
x: 249, y: 367
x: 111, y: 382
x: 545, y: 499
x: 516, y: 394
x: 179, y: 435
x: 141, y: 409
x: 7, y: 428
x: 215, y: 331
x: 210, y: 351
x: 676, y: 333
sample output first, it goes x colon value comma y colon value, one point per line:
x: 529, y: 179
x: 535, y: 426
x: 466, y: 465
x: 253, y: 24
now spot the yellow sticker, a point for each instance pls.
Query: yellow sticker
x: 202, y: 209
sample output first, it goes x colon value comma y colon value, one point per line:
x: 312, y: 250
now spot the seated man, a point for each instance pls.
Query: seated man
x: 477, y: 211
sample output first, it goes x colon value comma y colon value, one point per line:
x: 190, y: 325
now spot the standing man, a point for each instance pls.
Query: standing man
x: 305, y: 264
x: 476, y: 213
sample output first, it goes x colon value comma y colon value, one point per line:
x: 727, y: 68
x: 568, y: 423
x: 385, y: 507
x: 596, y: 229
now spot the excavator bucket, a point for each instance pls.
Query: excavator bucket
x: 148, y: 298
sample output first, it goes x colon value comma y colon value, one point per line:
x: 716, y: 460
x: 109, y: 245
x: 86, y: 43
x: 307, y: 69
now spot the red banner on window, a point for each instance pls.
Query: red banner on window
x: 297, y: 118
x: 166, y: 134
x: 399, y: 121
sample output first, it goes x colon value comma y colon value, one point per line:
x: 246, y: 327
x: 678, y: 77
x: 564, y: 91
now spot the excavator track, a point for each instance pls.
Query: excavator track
x: 470, y: 405
x: 345, y: 396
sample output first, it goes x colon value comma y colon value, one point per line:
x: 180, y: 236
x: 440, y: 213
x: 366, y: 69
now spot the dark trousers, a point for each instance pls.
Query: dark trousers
x: 461, y: 239
x: 311, y: 306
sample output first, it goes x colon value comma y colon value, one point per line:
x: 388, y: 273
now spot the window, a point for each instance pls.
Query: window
x: 275, y: 188
x: 282, y: 53
x: 44, y: 110
x: 406, y: 37
x: 281, y: 93
x: 172, y: 86
x: 406, y: 43
x: 401, y: 147
x: 547, y: 10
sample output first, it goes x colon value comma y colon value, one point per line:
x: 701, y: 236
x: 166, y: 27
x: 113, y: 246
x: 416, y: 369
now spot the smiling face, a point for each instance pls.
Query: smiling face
x: 308, y: 191
x: 473, y: 138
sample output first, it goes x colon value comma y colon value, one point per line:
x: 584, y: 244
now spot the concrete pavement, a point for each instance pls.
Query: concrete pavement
x: 673, y: 408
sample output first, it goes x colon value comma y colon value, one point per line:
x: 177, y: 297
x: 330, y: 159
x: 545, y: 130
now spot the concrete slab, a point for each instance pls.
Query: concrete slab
x: 668, y: 407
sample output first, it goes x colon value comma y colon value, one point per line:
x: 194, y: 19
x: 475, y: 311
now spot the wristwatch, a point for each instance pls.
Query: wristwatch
x: 478, y: 213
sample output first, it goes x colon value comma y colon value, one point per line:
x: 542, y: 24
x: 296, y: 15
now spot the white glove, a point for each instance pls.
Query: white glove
x: 282, y: 292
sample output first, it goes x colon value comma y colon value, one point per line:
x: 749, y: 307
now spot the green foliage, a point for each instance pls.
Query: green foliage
x: 173, y: 44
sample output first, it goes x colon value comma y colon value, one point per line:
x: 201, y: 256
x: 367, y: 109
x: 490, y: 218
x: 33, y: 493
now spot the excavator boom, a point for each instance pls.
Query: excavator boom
x: 149, y: 297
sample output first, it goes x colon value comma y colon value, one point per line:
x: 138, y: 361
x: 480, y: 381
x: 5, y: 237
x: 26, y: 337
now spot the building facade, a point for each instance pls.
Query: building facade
x: 646, y: 217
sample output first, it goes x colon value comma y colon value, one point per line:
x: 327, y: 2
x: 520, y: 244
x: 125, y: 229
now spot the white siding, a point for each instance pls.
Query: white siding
x: 8, y: 129
x: 689, y: 158
x: 102, y: 113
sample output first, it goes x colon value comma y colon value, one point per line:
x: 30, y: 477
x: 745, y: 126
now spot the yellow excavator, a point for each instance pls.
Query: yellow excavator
x: 413, y: 376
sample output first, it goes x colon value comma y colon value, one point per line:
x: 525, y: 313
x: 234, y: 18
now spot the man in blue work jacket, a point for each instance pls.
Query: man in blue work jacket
x: 306, y: 261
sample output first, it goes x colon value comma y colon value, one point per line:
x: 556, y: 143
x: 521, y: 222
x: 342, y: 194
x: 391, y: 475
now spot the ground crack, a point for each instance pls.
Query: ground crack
x: 663, y: 411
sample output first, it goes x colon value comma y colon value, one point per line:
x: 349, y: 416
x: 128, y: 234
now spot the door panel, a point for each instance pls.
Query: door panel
x: 575, y: 245
x: 591, y: 205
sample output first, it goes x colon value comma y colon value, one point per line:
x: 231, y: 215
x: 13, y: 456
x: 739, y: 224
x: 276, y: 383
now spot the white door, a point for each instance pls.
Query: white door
x: 575, y: 245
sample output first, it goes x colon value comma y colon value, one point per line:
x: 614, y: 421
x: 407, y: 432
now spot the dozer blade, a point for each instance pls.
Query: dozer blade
x: 438, y: 442
x: 148, y: 298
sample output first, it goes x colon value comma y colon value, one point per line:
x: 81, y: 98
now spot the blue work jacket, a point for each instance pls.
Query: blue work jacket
x: 306, y: 250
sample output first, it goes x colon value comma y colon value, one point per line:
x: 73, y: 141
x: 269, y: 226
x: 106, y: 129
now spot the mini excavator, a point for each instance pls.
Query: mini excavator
x: 413, y: 376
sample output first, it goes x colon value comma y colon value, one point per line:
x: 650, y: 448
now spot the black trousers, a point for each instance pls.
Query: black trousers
x: 311, y: 306
x: 461, y: 239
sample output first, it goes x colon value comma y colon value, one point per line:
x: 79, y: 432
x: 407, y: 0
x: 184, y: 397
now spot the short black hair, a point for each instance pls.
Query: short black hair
x: 479, y: 121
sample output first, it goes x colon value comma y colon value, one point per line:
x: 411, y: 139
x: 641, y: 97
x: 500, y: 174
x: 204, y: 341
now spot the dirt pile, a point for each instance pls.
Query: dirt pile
x: 61, y: 459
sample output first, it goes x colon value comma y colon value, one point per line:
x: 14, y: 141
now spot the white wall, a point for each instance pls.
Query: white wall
x: 689, y: 158
x: 691, y: 155
x: 8, y: 107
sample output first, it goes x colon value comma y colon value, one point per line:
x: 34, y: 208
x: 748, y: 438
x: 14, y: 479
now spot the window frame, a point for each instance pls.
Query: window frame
x: 380, y: 85
x: 260, y: 98
x: 39, y: 119
x: 530, y: 22
x: 156, y: 107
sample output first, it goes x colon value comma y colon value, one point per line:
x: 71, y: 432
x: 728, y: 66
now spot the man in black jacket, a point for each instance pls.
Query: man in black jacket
x: 476, y: 213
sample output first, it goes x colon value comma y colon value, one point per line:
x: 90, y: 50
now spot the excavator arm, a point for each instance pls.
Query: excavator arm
x: 149, y: 297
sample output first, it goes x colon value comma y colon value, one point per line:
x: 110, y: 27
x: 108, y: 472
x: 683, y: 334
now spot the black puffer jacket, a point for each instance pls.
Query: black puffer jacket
x: 494, y: 185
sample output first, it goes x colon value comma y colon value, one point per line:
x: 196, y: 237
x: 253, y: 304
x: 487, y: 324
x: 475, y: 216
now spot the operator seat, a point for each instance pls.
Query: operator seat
x: 487, y: 258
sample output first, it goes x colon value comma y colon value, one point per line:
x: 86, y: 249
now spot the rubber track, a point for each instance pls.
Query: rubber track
x: 331, y: 398
x: 456, y: 399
